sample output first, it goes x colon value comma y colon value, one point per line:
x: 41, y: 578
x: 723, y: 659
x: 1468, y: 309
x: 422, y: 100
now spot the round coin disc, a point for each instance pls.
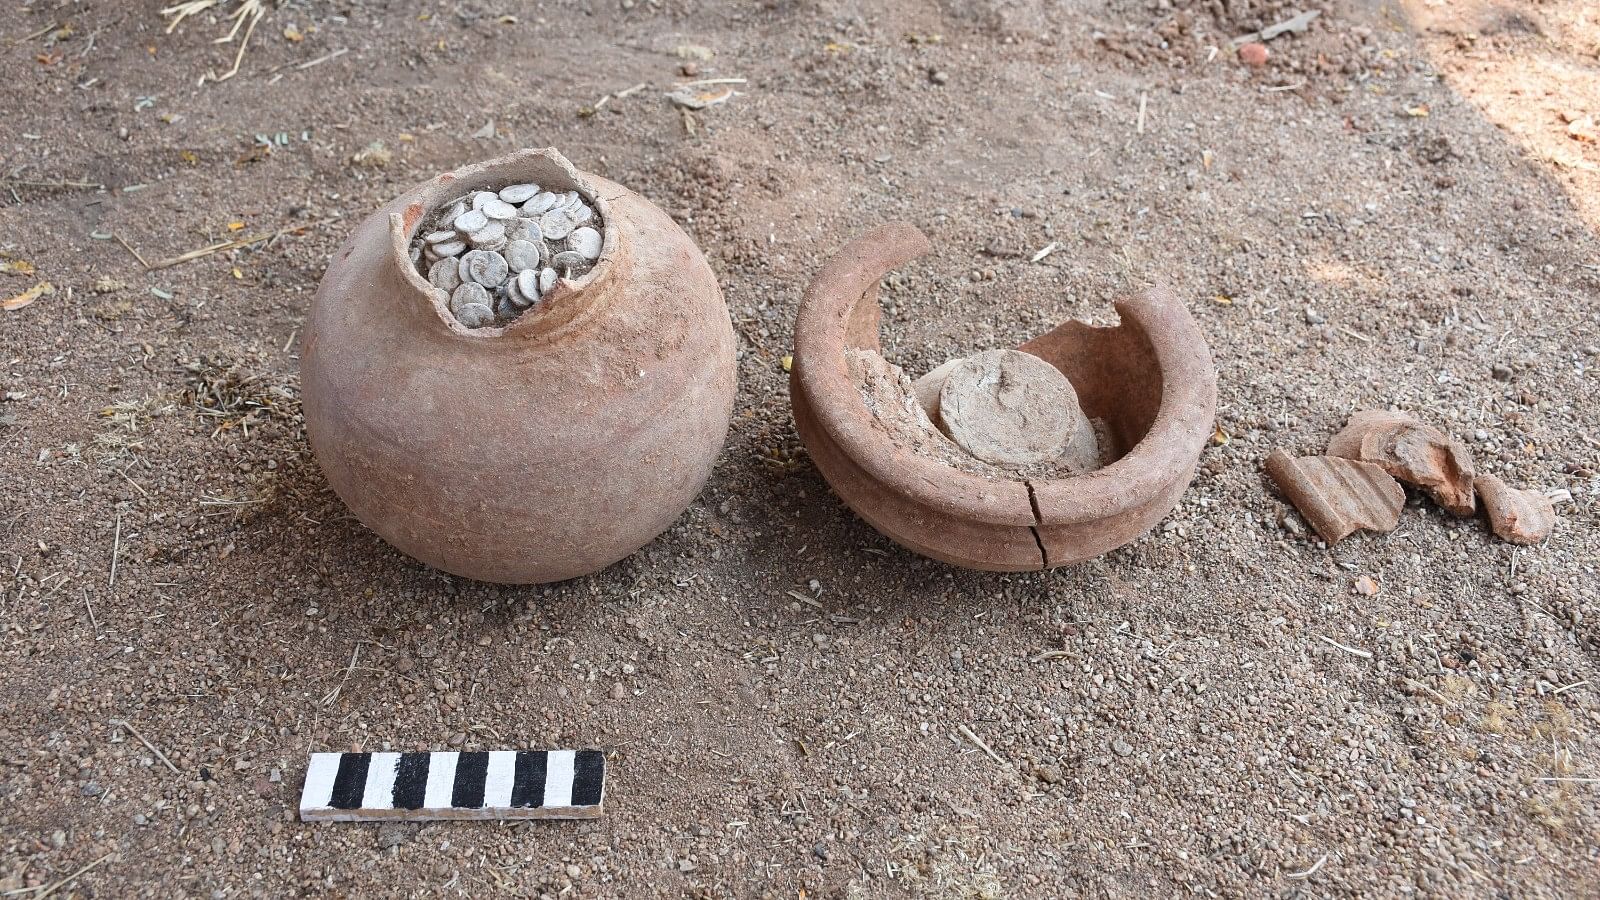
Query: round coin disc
x: 1008, y: 408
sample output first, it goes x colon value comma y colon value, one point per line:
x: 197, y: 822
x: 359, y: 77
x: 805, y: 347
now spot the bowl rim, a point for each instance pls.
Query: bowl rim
x: 840, y: 309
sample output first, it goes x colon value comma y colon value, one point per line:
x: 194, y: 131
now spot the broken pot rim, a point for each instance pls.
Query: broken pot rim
x: 569, y: 301
x: 830, y: 310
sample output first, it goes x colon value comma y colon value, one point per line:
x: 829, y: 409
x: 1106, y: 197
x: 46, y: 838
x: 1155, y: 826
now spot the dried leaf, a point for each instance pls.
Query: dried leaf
x: 1418, y: 112
x: 292, y: 34
x: 235, y: 226
x: 17, y: 267
x: 41, y: 289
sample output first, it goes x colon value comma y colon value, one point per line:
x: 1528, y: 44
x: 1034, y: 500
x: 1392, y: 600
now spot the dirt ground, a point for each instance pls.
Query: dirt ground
x: 1399, y: 209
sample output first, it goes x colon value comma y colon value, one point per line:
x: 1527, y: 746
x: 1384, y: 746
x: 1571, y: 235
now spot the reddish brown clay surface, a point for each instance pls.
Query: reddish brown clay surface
x: 1150, y: 378
x: 1337, y: 495
x: 540, y: 451
x: 1413, y: 452
x: 1515, y: 515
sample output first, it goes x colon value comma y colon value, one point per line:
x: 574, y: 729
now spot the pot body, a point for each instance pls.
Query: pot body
x: 540, y: 451
x: 1149, y: 378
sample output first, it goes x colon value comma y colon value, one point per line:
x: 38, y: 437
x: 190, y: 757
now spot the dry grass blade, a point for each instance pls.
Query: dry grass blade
x: 124, y: 723
x: 178, y: 12
x: 222, y: 246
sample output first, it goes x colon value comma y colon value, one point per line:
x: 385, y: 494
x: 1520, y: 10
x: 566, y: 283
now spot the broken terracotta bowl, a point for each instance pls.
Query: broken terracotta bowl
x: 542, y: 450
x: 1149, y: 378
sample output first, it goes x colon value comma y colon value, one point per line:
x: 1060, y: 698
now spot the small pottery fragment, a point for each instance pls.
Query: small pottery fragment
x: 1517, y: 516
x: 541, y: 450
x: 1413, y: 452
x: 1149, y: 379
x: 1337, y: 495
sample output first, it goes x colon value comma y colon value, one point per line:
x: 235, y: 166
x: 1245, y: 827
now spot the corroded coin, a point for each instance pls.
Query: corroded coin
x: 569, y: 260
x: 498, y: 210
x: 475, y: 315
x: 523, y: 255
x: 491, y: 237
x: 470, y: 221
x: 580, y: 213
x: 586, y: 241
x: 542, y: 202
x: 518, y: 193
x: 448, y: 248
x: 467, y: 293
x: 556, y: 225
x: 456, y: 209
x: 547, y: 280
x: 481, y: 197
x: 527, y: 285
x: 484, y: 267
x: 446, y: 274
x: 515, y: 295
x: 524, y: 229
x: 440, y: 236
x: 1008, y: 407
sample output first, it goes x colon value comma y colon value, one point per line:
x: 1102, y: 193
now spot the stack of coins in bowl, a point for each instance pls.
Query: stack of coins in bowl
x: 493, y: 255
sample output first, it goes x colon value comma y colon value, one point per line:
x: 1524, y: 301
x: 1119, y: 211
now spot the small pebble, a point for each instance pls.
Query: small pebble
x: 1253, y: 54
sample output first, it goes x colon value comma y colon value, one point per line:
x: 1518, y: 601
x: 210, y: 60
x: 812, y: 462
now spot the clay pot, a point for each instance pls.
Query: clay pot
x: 1150, y: 379
x: 539, y: 451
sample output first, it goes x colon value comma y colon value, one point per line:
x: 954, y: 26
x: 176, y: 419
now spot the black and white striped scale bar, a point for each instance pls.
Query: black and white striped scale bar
x: 414, y: 787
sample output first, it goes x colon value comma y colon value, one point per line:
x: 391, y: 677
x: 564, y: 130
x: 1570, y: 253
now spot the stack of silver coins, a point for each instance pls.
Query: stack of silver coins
x: 493, y: 255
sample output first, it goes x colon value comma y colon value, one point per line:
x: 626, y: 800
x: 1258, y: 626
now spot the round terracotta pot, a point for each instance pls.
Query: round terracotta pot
x: 1150, y: 378
x: 543, y: 450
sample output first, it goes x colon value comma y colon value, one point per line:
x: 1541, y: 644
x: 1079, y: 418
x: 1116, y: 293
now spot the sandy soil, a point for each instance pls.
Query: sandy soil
x: 784, y: 692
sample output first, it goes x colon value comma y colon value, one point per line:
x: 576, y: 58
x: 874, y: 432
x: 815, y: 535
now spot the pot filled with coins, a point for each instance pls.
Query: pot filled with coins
x: 518, y: 372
